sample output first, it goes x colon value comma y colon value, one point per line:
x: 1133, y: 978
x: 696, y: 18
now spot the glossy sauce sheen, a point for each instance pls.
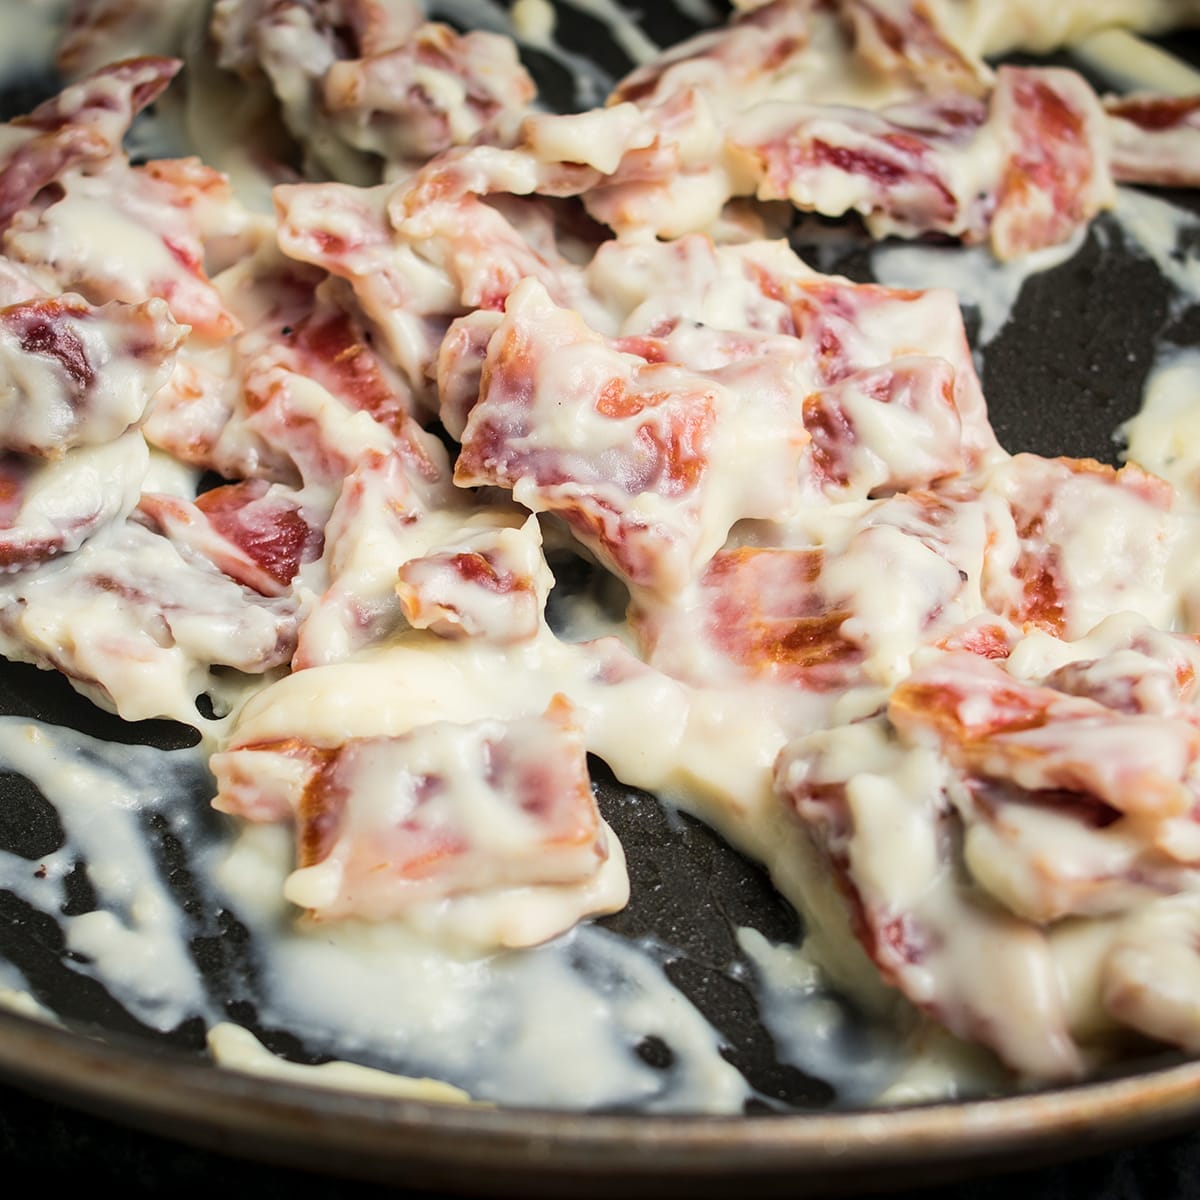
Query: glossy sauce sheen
x: 869, y: 670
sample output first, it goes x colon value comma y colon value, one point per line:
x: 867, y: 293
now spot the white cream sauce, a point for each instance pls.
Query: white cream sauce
x: 1165, y: 435
x: 812, y: 1032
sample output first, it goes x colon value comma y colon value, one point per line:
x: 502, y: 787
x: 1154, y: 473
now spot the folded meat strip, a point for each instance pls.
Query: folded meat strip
x: 258, y: 534
x: 362, y: 82
x: 378, y: 522
x: 79, y: 218
x: 1043, y: 740
x: 430, y: 249
x: 82, y: 126
x: 72, y: 374
x: 298, y: 397
x: 1084, y: 541
x: 383, y: 824
x: 1022, y: 171
x: 403, y: 548
x: 50, y: 507
x: 1155, y: 139
x: 1074, y: 802
x: 118, y: 232
x: 486, y: 583
x: 138, y: 628
x: 879, y: 816
x: 815, y: 617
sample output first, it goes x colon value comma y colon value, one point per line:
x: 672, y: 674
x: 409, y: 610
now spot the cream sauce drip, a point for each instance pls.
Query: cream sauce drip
x: 388, y: 997
x: 973, y: 273
x: 134, y: 939
x: 1132, y: 64
x: 1167, y: 235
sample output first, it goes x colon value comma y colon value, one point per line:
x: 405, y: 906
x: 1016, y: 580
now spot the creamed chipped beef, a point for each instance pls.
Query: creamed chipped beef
x: 471, y: 331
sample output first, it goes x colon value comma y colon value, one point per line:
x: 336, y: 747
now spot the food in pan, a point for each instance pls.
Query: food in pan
x: 302, y: 477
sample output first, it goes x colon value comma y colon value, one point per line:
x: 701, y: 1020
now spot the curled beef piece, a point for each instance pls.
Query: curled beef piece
x: 879, y: 815
x: 72, y: 374
x: 159, y: 221
x: 360, y: 81
x: 258, y: 534
x: 81, y: 127
x: 51, y: 507
x: 138, y: 628
x: 1080, y: 540
x: 385, y: 825
x: 1156, y: 139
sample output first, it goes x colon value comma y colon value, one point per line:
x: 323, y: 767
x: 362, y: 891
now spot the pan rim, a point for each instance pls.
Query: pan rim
x: 164, y: 1090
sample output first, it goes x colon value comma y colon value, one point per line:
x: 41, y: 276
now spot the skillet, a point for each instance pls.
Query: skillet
x: 1060, y: 377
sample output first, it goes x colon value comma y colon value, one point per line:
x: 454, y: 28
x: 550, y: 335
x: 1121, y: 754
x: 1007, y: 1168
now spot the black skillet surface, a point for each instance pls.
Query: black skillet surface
x: 1066, y: 370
